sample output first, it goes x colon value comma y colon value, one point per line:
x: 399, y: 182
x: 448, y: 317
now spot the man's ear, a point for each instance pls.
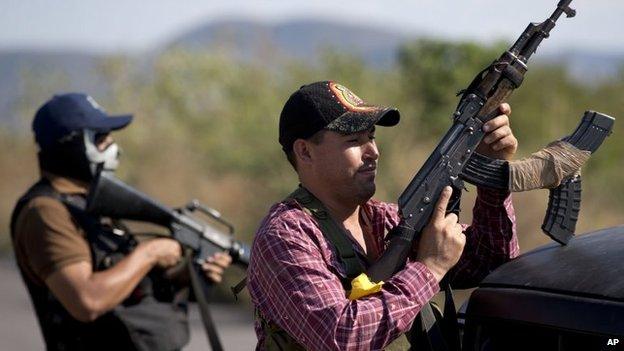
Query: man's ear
x: 301, y: 149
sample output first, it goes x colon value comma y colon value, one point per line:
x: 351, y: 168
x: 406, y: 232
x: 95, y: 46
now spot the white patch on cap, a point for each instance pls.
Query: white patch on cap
x: 94, y: 103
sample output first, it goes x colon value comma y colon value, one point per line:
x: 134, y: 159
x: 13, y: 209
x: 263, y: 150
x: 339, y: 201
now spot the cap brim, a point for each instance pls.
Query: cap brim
x: 110, y: 123
x: 355, y: 121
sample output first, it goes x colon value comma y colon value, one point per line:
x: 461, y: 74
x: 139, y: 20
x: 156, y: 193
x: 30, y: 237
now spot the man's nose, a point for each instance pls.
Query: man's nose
x: 370, y: 150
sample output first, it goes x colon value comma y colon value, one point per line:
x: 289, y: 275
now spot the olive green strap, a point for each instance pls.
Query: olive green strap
x: 276, y: 337
x: 332, y: 232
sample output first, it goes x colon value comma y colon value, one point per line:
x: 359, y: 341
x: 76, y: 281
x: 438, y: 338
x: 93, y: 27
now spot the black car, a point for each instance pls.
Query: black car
x: 553, y: 298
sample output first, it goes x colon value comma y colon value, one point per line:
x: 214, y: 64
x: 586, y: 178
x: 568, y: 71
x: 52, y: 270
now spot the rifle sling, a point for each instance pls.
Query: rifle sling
x: 331, y: 230
x: 333, y: 233
x: 200, y: 289
x: 449, y: 320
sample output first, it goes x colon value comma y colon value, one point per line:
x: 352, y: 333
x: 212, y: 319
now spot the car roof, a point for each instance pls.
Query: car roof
x: 590, y: 265
x: 577, y: 287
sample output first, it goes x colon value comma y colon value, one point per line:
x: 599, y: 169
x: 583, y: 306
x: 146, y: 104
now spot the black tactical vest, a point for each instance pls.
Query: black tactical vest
x: 153, y: 317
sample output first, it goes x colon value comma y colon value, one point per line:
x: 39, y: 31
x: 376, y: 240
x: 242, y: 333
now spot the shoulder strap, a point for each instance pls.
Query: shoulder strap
x: 202, y: 288
x: 331, y: 231
x: 75, y: 204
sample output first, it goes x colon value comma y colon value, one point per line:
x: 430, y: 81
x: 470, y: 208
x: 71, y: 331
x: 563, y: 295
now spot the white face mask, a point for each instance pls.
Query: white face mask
x: 109, y: 158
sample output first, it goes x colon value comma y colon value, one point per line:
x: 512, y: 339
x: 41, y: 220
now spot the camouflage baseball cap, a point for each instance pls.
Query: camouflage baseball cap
x: 331, y: 106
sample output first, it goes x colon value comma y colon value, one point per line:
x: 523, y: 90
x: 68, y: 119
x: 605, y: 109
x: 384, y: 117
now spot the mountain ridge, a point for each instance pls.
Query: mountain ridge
x: 303, y: 39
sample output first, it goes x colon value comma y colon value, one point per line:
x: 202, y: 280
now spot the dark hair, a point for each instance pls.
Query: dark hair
x: 316, y: 139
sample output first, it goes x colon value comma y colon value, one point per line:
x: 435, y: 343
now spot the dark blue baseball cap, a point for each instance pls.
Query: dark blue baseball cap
x: 66, y: 113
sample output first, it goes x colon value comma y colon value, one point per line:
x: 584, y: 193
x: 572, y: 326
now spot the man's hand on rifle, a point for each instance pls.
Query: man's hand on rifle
x: 499, y: 142
x: 163, y: 252
x: 215, y: 265
x: 442, y: 241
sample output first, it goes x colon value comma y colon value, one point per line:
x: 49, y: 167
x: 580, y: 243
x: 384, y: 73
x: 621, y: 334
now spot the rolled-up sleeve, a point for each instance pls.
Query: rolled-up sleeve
x: 491, y: 239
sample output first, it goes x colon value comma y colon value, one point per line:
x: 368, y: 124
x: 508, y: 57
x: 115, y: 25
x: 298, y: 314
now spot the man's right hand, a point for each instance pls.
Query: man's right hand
x: 442, y: 241
x: 164, y: 251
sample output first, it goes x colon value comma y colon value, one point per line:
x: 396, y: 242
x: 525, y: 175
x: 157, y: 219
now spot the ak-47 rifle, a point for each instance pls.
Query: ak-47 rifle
x: 455, y: 160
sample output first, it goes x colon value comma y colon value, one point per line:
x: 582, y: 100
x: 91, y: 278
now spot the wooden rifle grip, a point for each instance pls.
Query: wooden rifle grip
x: 504, y: 90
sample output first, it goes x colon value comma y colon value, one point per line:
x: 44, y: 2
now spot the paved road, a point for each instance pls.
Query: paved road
x: 19, y: 329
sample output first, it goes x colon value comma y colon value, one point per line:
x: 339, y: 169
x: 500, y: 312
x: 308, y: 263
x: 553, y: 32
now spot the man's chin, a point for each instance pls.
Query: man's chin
x: 366, y: 193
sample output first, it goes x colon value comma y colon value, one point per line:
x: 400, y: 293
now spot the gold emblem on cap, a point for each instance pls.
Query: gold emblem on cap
x: 349, y: 100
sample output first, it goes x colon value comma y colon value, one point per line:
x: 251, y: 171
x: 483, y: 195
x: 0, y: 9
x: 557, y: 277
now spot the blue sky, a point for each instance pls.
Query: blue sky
x: 133, y: 25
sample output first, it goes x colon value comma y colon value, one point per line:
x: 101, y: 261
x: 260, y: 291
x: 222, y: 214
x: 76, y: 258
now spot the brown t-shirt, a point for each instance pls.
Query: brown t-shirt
x: 46, y: 236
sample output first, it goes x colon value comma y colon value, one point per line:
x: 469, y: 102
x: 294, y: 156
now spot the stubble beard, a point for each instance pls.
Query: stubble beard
x: 364, y: 191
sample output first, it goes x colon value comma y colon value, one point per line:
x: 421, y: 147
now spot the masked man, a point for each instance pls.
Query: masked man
x: 93, y: 286
x: 309, y: 246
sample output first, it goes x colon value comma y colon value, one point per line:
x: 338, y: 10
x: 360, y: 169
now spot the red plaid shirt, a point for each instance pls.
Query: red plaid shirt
x: 294, y: 275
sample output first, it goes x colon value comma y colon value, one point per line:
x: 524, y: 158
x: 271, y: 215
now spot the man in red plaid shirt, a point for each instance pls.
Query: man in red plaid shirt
x: 296, y: 274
